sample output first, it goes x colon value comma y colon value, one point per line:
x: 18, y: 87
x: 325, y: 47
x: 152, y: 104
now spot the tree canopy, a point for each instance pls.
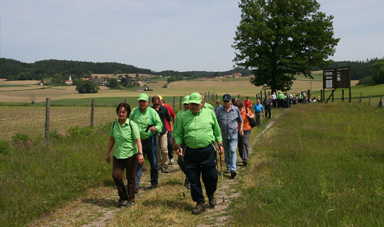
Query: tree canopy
x: 378, y: 75
x: 87, y: 87
x: 278, y: 39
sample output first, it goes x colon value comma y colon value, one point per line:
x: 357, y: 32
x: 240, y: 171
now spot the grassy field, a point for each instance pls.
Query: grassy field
x: 320, y: 165
x: 30, y: 120
x: 27, y: 92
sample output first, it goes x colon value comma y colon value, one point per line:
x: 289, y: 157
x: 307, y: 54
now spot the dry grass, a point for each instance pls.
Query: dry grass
x: 220, y: 86
x: 31, y: 120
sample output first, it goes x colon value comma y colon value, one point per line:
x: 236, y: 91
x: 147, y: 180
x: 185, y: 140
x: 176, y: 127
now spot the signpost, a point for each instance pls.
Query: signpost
x: 334, y: 78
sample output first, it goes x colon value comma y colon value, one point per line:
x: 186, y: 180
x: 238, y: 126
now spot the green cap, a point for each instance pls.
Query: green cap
x: 186, y: 99
x: 143, y: 96
x: 195, y: 98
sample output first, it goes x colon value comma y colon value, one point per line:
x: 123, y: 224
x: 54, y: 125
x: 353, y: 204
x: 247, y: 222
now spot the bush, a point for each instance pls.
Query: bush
x: 4, y: 147
x: 368, y: 80
x: 20, y: 138
x: 87, y: 87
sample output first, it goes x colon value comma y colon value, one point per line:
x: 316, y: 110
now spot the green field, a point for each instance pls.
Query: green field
x: 320, y: 165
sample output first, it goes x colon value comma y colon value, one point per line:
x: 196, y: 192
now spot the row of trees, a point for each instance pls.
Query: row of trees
x: 15, y: 70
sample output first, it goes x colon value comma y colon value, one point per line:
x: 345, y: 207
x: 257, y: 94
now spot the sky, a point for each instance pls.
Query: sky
x: 181, y: 35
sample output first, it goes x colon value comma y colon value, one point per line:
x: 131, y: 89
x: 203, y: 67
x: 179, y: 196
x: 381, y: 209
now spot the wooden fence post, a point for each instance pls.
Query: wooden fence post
x: 261, y: 95
x: 369, y: 101
x: 125, y: 100
x: 342, y: 95
x: 92, y: 111
x: 174, y: 101
x: 361, y: 95
x: 216, y: 96
x: 181, y: 98
x: 321, y: 95
x: 381, y: 104
x: 47, y: 113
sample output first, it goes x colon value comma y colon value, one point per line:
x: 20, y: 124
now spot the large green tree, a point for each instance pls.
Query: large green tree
x: 278, y: 39
x: 378, y: 75
x: 87, y: 86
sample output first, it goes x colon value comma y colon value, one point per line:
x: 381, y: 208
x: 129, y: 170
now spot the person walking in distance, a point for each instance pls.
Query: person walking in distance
x: 268, y: 107
x: 205, y: 104
x: 149, y: 124
x: 258, y: 111
x: 248, y: 102
x: 162, y: 135
x: 198, y: 129
x: 125, y: 136
x: 169, y: 129
x: 180, y: 160
x: 243, y: 143
x: 231, y: 124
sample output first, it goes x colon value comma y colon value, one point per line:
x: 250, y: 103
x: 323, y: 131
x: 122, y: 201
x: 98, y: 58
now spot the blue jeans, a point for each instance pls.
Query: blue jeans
x: 150, y: 150
x: 230, y: 146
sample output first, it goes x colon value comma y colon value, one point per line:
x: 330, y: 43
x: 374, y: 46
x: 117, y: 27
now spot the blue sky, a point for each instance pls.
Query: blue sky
x: 177, y: 35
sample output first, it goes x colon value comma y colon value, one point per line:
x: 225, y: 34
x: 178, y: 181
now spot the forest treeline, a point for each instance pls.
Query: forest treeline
x: 15, y: 70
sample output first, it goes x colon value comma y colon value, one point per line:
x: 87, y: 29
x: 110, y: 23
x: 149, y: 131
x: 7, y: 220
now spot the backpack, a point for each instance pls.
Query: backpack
x: 252, y: 121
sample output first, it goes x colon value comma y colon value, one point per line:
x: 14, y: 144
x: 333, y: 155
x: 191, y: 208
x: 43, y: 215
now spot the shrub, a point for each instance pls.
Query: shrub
x: 4, y: 147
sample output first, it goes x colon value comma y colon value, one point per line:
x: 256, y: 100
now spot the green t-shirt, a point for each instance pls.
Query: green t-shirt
x: 209, y: 106
x: 176, y: 124
x: 150, y: 116
x: 198, y: 130
x: 125, y: 146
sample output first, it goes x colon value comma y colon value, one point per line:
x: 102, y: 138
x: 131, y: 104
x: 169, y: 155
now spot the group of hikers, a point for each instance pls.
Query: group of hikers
x: 156, y: 132
x: 285, y: 100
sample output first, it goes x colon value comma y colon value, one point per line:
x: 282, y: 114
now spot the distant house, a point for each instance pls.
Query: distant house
x: 99, y: 81
x: 143, y: 88
x: 237, y: 75
x: 69, y: 81
x: 144, y: 77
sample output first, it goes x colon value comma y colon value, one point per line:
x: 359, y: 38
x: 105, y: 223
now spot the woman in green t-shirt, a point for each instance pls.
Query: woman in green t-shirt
x: 128, y: 152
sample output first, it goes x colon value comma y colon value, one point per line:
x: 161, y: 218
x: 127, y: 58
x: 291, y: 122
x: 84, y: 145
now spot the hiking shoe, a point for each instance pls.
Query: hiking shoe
x: 166, y: 170
x: 153, y: 186
x: 227, y: 171
x: 200, y: 207
x: 160, y: 169
x: 233, y: 174
x: 129, y: 203
x: 119, y: 202
x: 212, y: 201
x: 245, y: 163
x: 136, y: 190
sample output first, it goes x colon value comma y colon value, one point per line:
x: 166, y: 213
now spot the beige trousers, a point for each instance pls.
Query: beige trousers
x: 163, y: 151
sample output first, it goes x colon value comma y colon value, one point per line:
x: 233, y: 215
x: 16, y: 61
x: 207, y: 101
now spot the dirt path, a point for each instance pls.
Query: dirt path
x: 95, y: 209
x: 219, y: 216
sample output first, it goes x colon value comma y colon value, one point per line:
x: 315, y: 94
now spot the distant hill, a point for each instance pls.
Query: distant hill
x: 15, y: 70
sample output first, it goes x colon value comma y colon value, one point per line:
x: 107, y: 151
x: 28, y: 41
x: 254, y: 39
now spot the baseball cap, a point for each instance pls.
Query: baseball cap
x: 143, y: 96
x: 227, y: 97
x: 195, y: 98
x: 160, y: 97
x: 186, y: 99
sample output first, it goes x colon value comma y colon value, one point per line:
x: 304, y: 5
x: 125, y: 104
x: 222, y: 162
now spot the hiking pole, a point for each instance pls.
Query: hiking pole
x: 222, y: 178
x: 182, y: 182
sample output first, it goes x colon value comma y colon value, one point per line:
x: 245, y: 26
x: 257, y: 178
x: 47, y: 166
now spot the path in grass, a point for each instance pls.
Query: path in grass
x: 97, y: 207
x: 219, y: 216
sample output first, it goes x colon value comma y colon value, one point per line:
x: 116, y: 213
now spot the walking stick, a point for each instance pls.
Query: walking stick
x: 182, y: 181
x: 222, y: 178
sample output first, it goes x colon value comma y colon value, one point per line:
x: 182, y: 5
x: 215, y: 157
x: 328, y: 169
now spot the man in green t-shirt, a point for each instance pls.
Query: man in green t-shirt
x: 198, y: 129
x: 149, y: 124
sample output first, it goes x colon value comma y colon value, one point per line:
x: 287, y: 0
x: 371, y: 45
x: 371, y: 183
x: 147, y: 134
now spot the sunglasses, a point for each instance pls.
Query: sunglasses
x: 156, y: 104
